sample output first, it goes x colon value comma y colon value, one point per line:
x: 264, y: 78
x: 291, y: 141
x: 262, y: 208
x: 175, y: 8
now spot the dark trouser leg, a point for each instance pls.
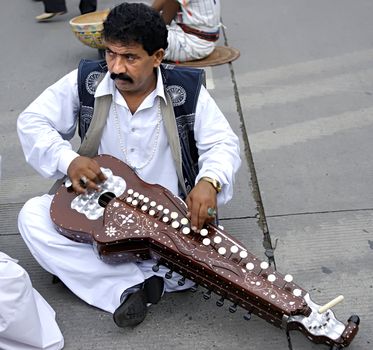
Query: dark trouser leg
x: 87, y: 6
x: 53, y: 6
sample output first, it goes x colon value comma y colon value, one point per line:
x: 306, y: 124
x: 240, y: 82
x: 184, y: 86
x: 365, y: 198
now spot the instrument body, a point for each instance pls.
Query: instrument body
x: 146, y: 220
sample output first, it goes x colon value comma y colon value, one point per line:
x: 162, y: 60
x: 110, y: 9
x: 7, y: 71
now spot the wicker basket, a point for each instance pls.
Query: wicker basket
x: 88, y: 28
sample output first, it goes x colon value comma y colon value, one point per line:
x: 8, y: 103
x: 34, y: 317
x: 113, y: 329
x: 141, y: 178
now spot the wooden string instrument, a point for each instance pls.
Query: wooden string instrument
x: 129, y: 219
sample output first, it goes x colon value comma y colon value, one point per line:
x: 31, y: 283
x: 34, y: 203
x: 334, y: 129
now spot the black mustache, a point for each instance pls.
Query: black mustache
x: 121, y: 76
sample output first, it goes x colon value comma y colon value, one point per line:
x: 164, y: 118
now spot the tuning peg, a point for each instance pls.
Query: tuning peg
x: 207, y: 295
x: 332, y: 303
x: 155, y: 267
x: 220, y: 302
x: 194, y: 288
x: 233, y: 308
x: 168, y: 274
x: 247, y: 316
x: 354, y: 319
x: 181, y: 281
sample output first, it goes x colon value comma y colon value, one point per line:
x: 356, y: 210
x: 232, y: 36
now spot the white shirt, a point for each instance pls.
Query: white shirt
x: 49, y: 122
x: 201, y: 14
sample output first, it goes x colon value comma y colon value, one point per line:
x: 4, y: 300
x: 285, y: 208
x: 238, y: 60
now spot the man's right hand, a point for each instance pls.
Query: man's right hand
x: 85, y: 173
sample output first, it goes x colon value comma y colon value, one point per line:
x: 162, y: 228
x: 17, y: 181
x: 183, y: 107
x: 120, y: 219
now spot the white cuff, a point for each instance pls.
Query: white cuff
x: 66, y: 158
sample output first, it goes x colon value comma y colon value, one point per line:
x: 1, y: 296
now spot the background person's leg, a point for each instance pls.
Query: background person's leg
x: 54, y: 6
x: 86, y: 6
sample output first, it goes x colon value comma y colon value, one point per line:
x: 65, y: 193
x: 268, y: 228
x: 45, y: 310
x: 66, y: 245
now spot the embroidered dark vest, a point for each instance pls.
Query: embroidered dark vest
x: 183, y: 85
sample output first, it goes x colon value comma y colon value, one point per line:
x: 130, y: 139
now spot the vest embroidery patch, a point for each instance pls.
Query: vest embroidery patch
x: 86, y: 114
x: 178, y: 94
x: 91, y: 82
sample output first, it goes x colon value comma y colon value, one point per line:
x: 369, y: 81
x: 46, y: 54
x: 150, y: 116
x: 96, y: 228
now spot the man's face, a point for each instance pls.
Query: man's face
x: 134, y: 67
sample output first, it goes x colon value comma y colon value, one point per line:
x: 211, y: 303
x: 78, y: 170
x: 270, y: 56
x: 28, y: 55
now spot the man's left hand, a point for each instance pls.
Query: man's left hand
x: 200, y: 199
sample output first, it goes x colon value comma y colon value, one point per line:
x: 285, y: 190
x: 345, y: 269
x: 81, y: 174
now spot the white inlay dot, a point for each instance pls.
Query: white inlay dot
x: 234, y: 249
x: 217, y: 239
x: 264, y: 265
x: 271, y: 278
x: 222, y: 250
x: 243, y: 254
x: 175, y: 224
x: 250, y: 266
x: 288, y: 278
x: 206, y: 241
x: 184, y: 221
x: 203, y: 232
x: 297, y: 292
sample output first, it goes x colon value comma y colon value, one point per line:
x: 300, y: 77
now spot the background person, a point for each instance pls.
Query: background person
x: 27, y: 321
x: 193, y: 27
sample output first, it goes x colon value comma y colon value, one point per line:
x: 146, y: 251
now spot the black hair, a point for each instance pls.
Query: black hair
x: 130, y: 23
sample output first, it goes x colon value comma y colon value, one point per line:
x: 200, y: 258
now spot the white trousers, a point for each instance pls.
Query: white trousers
x: 92, y: 280
x: 27, y: 322
x: 185, y: 47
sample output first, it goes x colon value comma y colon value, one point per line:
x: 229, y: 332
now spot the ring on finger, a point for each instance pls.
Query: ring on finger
x: 211, y: 212
x: 84, y: 180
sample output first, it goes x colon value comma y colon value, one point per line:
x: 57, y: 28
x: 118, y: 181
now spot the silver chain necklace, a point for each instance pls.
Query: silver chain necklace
x: 121, y: 142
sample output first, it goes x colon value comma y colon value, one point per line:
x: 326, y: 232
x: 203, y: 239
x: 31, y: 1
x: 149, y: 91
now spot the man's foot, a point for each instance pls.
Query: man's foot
x: 153, y: 288
x: 48, y: 15
x: 133, y: 309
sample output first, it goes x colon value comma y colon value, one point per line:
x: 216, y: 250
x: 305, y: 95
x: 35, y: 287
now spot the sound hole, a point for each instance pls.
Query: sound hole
x: 105, y: 198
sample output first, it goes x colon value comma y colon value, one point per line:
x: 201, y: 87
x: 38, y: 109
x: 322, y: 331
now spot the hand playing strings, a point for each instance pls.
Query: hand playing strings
x: 85, y: 173
x: 201, y: 201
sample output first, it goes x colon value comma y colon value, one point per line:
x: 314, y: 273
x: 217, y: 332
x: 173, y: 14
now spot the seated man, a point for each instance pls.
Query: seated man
x: 193, y: 27
x: 131, y: 93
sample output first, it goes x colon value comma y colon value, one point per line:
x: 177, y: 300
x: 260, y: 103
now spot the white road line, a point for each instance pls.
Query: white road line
x: 209, y: 79
x: 302, y: 69
x: 349, y: 82
x: 310, y: 130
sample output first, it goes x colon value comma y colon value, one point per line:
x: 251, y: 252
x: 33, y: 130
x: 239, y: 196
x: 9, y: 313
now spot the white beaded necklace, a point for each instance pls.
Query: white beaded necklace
x: 121, y: 142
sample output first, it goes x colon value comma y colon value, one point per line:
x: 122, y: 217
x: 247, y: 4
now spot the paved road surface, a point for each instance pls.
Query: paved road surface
x: 300, y: 98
